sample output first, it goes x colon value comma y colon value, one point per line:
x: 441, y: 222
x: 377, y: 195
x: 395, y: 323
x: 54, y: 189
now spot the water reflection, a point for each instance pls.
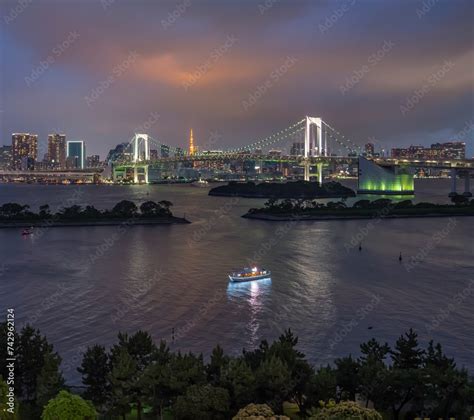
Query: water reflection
x: 253, y: 293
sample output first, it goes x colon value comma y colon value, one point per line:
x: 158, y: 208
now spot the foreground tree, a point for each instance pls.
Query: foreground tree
x: 67, y: 406
x: 345, y: 410
x: 4, y: 407
x: 50, y: 380
x: 202, y: 402
x: 257, y: 411
x: 95, y: 370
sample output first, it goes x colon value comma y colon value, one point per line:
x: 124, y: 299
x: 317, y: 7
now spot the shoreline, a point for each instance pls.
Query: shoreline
x: 294, y: 197
x: 304, y: 218
x: 93, y: 223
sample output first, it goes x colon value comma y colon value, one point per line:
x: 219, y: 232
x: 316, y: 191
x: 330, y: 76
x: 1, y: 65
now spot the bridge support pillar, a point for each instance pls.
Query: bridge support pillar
x: 306, y: 169
x: 453, y: 183
x: 135, y: 175
x: 320, y: 173
x: 467, y: 185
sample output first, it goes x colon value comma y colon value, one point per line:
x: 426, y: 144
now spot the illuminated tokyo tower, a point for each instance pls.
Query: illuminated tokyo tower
x: 192, y: 149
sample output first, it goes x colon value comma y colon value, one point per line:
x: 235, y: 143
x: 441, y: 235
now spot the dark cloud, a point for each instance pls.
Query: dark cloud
x: 171, y: 42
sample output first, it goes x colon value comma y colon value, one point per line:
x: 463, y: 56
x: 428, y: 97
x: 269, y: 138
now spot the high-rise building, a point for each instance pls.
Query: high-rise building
x: 153, y: 154
x: 93, y: 161
x: 5, y: 157
x: 165, y: 151
x: 57, y: 150
x: 24, y: 148
x: 297, y: 149
x: 369, y: 149
x: 192, y: 149
x: 76, y: 152
x: 450, y: 150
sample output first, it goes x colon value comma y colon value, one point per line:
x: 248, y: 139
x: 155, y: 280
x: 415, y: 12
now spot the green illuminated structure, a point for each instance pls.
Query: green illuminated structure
x: 384, y: 180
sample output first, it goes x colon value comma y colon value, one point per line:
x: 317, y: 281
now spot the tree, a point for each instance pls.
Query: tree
x: 404, y: 380
x: 150, y: 209
x: 202, y: 402
x: 460, y: 200
x: 273, y: 382
x: 67, y: 406
x: 122, y: 378
x: 4, y: 400
x: 73, y: 212
x: 257, y: 411
x: 347, y: 377
x: 345, y: 410
x: 95, y: 370
x: 13, y: 210
x: 32, y: 347
x: 216, y: 366
x: 44, y: 211
x: 372, y: 371
x: 157, y: 379
x: 125, y: 208
x: 322, y: 386
x: 240, y: 381
x: 165, y: 207
x: 50, y: 380
x: 91, y: 212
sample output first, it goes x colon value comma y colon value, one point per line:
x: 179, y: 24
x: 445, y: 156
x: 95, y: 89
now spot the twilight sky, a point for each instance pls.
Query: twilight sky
x: 394, y: 72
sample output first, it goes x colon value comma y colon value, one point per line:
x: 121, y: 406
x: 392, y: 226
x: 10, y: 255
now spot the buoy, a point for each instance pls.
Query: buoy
x: 360, y: 246
x: 400, y: 257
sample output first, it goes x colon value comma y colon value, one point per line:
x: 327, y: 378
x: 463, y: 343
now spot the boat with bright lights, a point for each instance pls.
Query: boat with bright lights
x: 250, y: 274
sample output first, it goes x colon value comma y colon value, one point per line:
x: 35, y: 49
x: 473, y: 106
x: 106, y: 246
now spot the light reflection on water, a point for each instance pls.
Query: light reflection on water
x: 317, y: 286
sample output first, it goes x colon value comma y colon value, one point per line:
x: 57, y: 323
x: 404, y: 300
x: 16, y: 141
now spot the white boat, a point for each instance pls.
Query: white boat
x: 250, y: 274
x: 200, y: 183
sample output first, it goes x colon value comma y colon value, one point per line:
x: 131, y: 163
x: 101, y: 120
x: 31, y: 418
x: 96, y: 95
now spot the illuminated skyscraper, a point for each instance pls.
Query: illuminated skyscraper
x: 76, y: 154
x: 57, y: 150
x: 24, y: 146
x: 192, y: 149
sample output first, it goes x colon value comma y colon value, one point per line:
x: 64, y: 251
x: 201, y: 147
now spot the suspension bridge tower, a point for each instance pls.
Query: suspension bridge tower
x: 315, y: 145
x: 141, y: 155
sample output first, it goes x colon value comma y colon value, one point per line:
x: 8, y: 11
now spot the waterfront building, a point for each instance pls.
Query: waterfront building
x: 153, y: 154
x: 93, y: 161
x: 165, y: 151
x: 24, y: 145
x: 5, y: 158
x: 376, y: 179
x: 56, y: 155
x: 76, y: 151
x: 369, y: 149
x: 449, y: 150
x: 297, y: 149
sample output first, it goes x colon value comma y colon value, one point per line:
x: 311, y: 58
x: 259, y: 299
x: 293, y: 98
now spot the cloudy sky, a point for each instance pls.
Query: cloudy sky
x: 392, y: 72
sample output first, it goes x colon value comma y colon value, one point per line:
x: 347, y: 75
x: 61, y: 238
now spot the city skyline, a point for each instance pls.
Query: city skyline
x: 94, y: 78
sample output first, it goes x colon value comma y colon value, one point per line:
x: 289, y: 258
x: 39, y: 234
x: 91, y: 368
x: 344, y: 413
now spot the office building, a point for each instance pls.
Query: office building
x: 24, y: 145
x: 57, y: 151
x: 76, y: 151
